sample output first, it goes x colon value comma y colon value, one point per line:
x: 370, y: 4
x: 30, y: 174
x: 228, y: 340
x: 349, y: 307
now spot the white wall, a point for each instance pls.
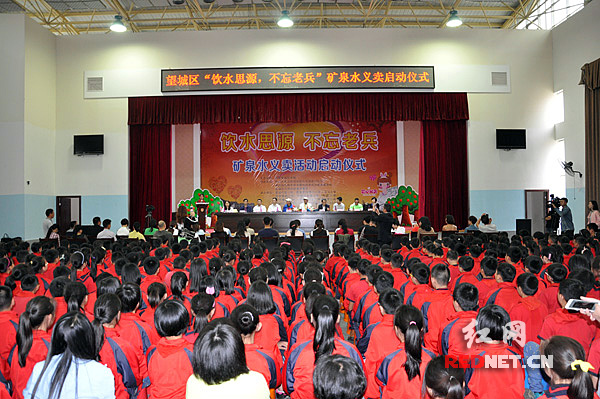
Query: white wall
x: 575, y: 43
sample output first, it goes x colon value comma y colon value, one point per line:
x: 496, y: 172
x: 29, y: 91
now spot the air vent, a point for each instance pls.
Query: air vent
x: 95, y: 84
x: 499, y: 79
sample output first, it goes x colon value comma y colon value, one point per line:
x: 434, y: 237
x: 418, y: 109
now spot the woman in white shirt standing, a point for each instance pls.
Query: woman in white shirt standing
x: 71, y: 369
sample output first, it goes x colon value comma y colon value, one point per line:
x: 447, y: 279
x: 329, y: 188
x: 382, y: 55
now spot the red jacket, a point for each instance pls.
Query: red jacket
x: 133, y: 329
x: 272, y: 331
x: 9, y: 324
x: 559, y: 392
x: 484, y: 286
x: 464, y: 277
x: 391, y: 375
x: 299, y: 367
x: 61, y: 307
x: 355, y: 291
x: 132, y: 364
x: 452, y: 339
x: 436, y: 314
x: 383, y: 341
x: 419, y: 292
x: 22, y: 297
x: 38, y: 352
x: 549, y: 296
x: 266, y: 362
x: 169, y: 367
x: 505, y: 295
x: 532, y: 312
x: 572, y: 325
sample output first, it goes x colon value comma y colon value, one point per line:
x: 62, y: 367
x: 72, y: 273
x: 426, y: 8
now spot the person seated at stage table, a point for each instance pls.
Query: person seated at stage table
x: 294, y: 230
x: 339, y: 205
x: 356, y: 206
x: 396, y: 228
x: 323, y: 206
x: 319, y: 230
x: 245, y: 206
x: 450, y: 224
x: 274, y: 207
x: 372, y: 205
x: 259, y: 207
x: 305, y: 206
x: 268, y: 231
x: 227, y: 208
x: 288, y: 207
x: 424, y: 226
x: 343, y: 228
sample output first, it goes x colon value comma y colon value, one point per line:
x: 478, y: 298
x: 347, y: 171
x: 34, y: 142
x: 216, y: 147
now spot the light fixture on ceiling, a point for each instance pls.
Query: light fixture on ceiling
x: 285, y: 21
x: 454, y: 20
x: 117, y: 25
x: 178, y: 2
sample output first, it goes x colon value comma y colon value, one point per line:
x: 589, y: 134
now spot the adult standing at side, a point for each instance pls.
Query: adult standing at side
x: 594, y: 214
x: 48, y: 221
x: 384, y: 222
x: 566, y: 217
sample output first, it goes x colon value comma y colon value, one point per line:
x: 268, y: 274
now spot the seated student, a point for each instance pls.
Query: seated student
x: 506, y: 294
x: 398, y: 271
x: 338, y: 377
x: 127, y: 367
x: 32, y: 341
x: 440, y: 277
x: 452, y: 336
x: 302, y: 358
x: 267, y: 362
x: 356, y: 290
x: 401, y: 372
x: 135, y: 233
x: 152, y: 228
x: 80, y: 271
x: 382, y: 339
x: 420, y: 280
x: 554, y: 274
x: 30, y: 287
x: 71, y: 370
x: 370, y: 313
x: 487, y: 281
x: 169, y: 361
x: 9, y: 324
x: 319, y: 230
x: 268, y: 230
x: 273, y: 332
x: 302, y: 329
x: 465, y: 269
x: 124, y: 229
x: 450, y: 224
x: 343, y: 228
x: 220, y: 369
x: 131, y: 326
x: 529, y: 309
x: 570, y: 375
x: 566, y: 322
x: 493, y: 319
x: 156, y: 294
x: 443, y: 382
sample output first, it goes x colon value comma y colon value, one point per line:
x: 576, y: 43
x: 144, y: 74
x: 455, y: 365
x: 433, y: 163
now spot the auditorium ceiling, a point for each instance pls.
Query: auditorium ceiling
x: 74, y: 17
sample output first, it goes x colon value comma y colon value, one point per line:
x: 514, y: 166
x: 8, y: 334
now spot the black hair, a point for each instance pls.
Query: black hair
x: 179, y: 282
x: 226, y: 280
x: 325, y: 311
x: 258, y: 274
x: 245, y: 318
x: 578, y: 261
x: 107, y: 285
x: 420, y: 272
x: 6, y: 297
x: 409, y: 320
x: 243, y: 268
x: 585, y: 276
x: 151, y: 265
x: 312, y: 274
x: 36, y: 310
x: 557, y: 272
x: 106, y: 309
x: 202, y: 305
x: 130, y: 295
x: 390, y: 300
x: 450, y: 219
x: 29, y: 283
x: 197, y: 271
x: 493, y: 319
x: 261, y: 298
x: 564, y: 351
x: 514, y: 253
x: 131, y: 274
x: 156, y: 293
x: 441, y: 274
x: 383, y: 281
x: 77, y: 261
x: 57, y: 286
x: 343, y: 225
x: 219, y: 354
x: 338, y: 377
x: 50, y: 211
x: 73, y: 336
x: 444, y: 382
x: 75, y: 293
x: 311, y: 289
x: 425, y: 223
x: 171, y: 319
x: 571, y: 289
x: 467, y: 296
x: 466, y: 263
x: 533, y: 264
x: 528, y: 283
x: 507, y: 272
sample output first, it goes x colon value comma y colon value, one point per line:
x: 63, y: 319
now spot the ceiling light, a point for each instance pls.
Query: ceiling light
x: 117, y: 25
x: 178, y: 2
x: 454, y: 20
x: 285, y: 21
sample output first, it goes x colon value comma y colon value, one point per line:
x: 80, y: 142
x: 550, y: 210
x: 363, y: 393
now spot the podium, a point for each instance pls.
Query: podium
x: 201, y: 210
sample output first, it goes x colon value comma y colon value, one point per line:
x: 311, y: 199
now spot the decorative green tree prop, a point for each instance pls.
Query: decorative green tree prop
x: 203, y: 195
x: 405, y: 202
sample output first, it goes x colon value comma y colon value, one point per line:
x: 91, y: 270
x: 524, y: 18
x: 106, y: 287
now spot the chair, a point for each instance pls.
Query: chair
x: 397, y: 240
x: 448, y: 233
x: 347, y: 239
x: 295, y: 242
x: 221, y: 236
x: 321, y: 243
x: 270, y: 242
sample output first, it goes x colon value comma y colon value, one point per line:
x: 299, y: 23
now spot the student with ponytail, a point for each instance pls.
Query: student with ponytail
x: 128, y: 368
x: 570, y: 375
x: 298, y: 378
x: 157, y: 293
x: 9, y: 324
x: 76, y: 297
x: 225, y: 279
x: 243, y: 282
x: 273, y: 332
x: 401, y: 372
x: 339, y: 377
x: 33, y: 341
x: 269, y: 363
x: 443, y: 382
x: 203, y: 310
x: 179, y: 285
x: 71, y: 369
x: 79, y: 272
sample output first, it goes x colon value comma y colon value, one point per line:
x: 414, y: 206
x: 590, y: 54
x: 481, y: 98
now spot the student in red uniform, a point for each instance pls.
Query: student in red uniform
x: 399, y: 274
x: 203, y: 310
x: 452, y: 337
x: 487, y: 281
x: 273, y: 332
x: 30, y: 288
x: 443, y: 382
x: 267, y: 362
x: 440, y: 277
x: 151, y: 269
x: 80, y: 272
x: 420, y: 278
x: 530, y: 310
x: 382, y: 338
x: 157, y: 293
x: 300, y: 363
x: 569, y: 323
x: 33, y: 341
x: 438, y: 306
x: 570, y: 375
x: 128, y: 368
x: 370, y: 313
x: 506, y: 294
x: 338, y: 377
x: 131, y: 327
x: 359, y: 288
x: 555, y: 274
x: 9, y: 324
x: 400, y: 374
x: 169, y: 361
x: 465, y: 272
x: 76, y: 297
x: 485, y: 382
x: 57, y: 290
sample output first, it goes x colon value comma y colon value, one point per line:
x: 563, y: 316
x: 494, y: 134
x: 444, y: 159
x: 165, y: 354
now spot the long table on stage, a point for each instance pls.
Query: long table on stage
x: 282, y: 220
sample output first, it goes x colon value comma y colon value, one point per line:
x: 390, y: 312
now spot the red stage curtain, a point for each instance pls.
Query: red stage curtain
x: 149, y: 172
x: 175, y: 110
x: 443, y: 172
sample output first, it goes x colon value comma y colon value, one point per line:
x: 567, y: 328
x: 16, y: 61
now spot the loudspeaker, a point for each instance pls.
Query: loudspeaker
x: 524, y: 224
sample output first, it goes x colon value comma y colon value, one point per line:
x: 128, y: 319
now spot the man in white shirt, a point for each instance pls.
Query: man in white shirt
x: 274, y: 207
x: 47, y: 222
x: 305, y: 206
x: 259, y: 207
x: 339, y: 205
x: 485, y: 224
x: 107, y: 233
x: 124, y: 230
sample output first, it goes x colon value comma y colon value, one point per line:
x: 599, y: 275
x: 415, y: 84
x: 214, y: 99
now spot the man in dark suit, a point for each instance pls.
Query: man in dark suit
x: 384, y: 224
x: 245, y: 206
